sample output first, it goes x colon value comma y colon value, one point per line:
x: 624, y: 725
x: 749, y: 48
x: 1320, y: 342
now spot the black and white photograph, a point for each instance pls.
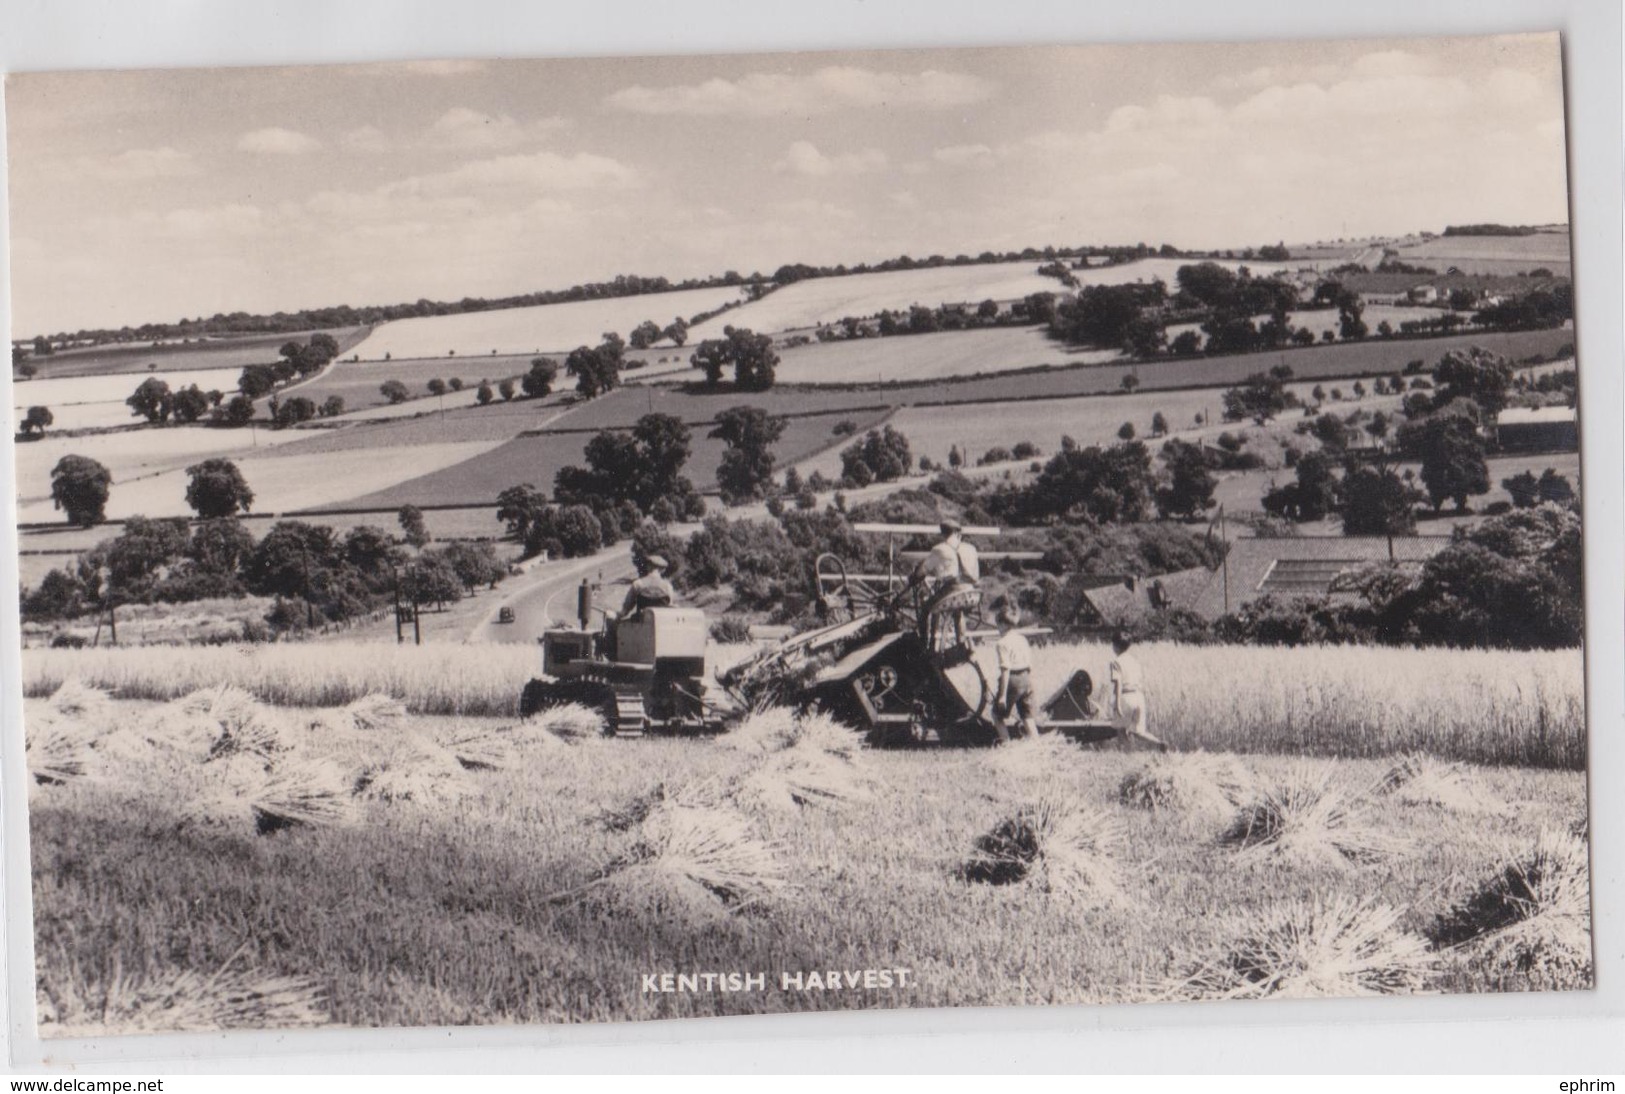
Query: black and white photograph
x: 593, y: 540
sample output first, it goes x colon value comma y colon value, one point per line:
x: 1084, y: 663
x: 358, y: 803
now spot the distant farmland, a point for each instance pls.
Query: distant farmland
x: 1493, y: 254
x: 827, y: 299
x: 537, y: 459
x: 97, y: 402
x: 545, y: 328
x: 916, y: 357
x: 254, y: 349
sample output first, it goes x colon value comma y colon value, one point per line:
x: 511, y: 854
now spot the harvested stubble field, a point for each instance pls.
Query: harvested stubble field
x: 1488, y: 707
x: 428, y: 871
x: 545, y: 328
x: 916, y: 357
x: 219, y: 353
x: 1493, y: 254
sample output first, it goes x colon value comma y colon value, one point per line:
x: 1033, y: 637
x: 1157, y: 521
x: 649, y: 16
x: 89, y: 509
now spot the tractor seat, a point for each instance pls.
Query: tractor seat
x: 958, y: 597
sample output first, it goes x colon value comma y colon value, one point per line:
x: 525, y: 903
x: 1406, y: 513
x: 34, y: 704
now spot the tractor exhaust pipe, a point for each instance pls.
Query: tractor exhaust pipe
x: 584, y: 604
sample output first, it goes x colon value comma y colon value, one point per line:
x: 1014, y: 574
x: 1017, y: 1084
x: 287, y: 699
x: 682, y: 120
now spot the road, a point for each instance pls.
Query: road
x: 551, y: 597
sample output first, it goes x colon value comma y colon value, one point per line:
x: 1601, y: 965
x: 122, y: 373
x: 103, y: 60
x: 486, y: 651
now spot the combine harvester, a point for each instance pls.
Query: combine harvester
x: 892, y: 661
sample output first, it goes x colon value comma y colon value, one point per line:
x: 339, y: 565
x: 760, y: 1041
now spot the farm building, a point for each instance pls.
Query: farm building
x: 1538, y: 429
x: 1292, y: 567
x: 1422, y: 294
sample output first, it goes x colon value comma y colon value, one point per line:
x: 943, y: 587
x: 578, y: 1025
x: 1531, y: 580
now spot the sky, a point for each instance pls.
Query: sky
x: 154, y: 195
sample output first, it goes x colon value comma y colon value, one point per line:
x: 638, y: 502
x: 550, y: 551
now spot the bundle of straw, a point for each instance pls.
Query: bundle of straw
x: 1420, y: 779
x: 1534, y: 916
x: 183, y: 1001
x: 1201, y: 784
x: 1309, y: 817
x: 1310, y: 948
x: 683, y: 851
x: 1066, y: 848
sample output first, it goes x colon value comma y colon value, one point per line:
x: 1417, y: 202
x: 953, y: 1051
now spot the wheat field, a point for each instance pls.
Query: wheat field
x: 1489, y: 707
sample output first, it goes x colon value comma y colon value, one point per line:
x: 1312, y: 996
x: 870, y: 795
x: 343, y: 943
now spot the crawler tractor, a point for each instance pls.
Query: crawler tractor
x: 645, y: 673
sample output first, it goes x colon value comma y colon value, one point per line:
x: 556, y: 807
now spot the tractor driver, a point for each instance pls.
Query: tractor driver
x: 950, y: 566
x: 651, y: 589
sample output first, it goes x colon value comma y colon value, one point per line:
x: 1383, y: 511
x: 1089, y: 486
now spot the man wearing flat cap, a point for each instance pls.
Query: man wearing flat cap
x: 951, y: 565
x: 651, y: 589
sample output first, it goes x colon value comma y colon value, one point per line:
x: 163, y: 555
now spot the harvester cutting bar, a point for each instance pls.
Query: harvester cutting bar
x: 922, y: 529
x: 985, y: 556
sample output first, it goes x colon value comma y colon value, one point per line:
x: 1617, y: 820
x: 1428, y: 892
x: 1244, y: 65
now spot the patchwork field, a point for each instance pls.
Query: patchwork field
x: 281, y: 483
x: 1493, y: 254
x: 537, y: 459
x: 357, y: 383
x: 917, y: 357
x: 471, y: 870
x: 541, y: 329
x: 828, y: 299
x: 136, y: 453
x: 97, y: 402
x: 977, y: 427
x: 231, y: 353
x: 1321, y: 320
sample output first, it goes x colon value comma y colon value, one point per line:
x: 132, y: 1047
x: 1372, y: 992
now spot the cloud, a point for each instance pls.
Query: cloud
x: 367, y: 138
x: 966, y: 155
x: 470, y: 130
x: 276, y: 141
x: 803, y: 158
x: 140, y: 163
x: 218, y: 220
x: 767, y: 94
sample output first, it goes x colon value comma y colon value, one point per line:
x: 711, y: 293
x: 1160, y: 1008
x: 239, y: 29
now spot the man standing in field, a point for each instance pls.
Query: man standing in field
x: 1015, y: 691
x: 951, y: 567
x: 1128, y: 693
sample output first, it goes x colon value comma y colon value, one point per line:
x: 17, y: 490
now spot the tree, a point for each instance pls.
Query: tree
x: 518, y: 507
x: 220, y: 546
x: 134, y: 558
x: 1129, y: 382
x: 413, y: 530
x: 505, y: 388
x: 539, y: 380
x: 577, y: 530
x: 189, y: 404
x: 79, y: 487
x: 1186, y: 343
x: 59, y: 595
x: 37, y: 419
x: 239, y: 410
x: 216, y: 488
x: 1554, y: 488
x: 1159, y: 424
x: 430, y: 579
x: 677, y: 331
x: 1453, y: 464
x: 644, y: 335
x: 437, y: 386
x: 483, y: 394
x: 597, y: 370
x: 292, y: 411
x: 1312, y: 496
x: 750, y: 355
x: 1190, y: 482
x: 1097, y: 485
x: 42, y: 346
x: 1125, y: 432
x: 746, y: 470
x: 324, y: 345
x: 151, y: 400
x: 1377, y: 502
x: 256, y: 381
x: 881, y: 456
x: 1260, y: 397
x: 394, y: 391
x: 332, y: 406
x: 474, y: 564
x: 1475, y: 374
x: 636, y: 469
